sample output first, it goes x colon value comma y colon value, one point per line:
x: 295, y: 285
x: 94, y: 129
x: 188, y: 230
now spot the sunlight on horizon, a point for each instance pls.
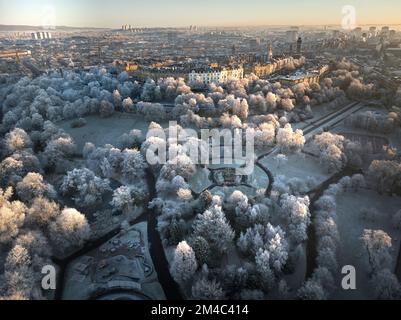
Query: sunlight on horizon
x: 179, y: 13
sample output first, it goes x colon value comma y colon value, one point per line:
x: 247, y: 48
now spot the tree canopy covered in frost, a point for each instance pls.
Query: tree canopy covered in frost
x: 184, y: 263
x: 289, y: 141
x: 84, y: 187
x: 126, y: 197
x: 266, y: 243
x: 32, y: 186
x: 214, y: 227
x: 295, y: 211
x: 12, y: 216
x: 205, y: 289
x: 133, y: 165
x: 70, y: 229
x: 377, y: 244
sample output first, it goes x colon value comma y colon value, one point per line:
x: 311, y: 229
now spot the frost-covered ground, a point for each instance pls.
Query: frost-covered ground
x: 200, y: 180
x: 299, y: 166
x: 351, y: 226
x: 101, y: 131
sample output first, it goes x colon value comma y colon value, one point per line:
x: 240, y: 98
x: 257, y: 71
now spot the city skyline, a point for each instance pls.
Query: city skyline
x: 179, y: 13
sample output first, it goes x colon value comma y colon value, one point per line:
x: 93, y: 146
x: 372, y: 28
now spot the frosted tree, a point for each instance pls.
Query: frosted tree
x: 326, y: 203
x: 245, y: 214
x: 106, y: 109
x: 386, y: 285
x: 205, y: 289
x: 18, y: 274
x: 11, y: 170
x: 57, y: 151
x: 128, y: 105
x: 312, y: 290
x: 295, y: 211
x: 289, y: 141
x: 126, y: 197
x: 181, y: 165
x: 16, y: 140
x: 43, y: 211
x: 117, y: 99
x: 214, y: 227
x: 12, y: 216
x: 333, y: 157
x: 331, y: 150
x: 262, y: 260
x: 327, y: 258
x: 130, y: 140
x: 386, y: 174
x: 33, y: 186
x: 323, y: 276
x: 271, y: 100
x: 84, y: 187
x: 38, y: 248
x: 184, y: 194
x: 201, y: 248
x: 377, y: 244
x: 133, y: 165
x: 287, y: 104
x: 265, y: 134
x: 151, y: 111
x: 238, y: 202
x: 241, y: 109
x: 172, y: 187
x: 184, y: 264
x: 69, y: 230
x: 326, y: 139
x: 266, y: 238
x: 148, y: 90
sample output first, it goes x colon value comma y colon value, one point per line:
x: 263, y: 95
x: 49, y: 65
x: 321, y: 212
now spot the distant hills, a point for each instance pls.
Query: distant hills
x: 39, y: 28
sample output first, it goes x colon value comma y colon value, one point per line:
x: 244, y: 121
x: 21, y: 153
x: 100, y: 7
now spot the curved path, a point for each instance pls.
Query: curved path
x: 170, y: 287
x: 156, y: 251
x: 268, y: 173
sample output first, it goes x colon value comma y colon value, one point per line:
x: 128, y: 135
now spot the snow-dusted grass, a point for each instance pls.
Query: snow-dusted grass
x: 258, y: 178
x: 200, y: 180
x: 351, y: 226
x: 299, y: 166
x: 101, y: 131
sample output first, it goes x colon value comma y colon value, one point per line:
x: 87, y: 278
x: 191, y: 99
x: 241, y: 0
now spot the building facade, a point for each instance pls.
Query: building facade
x: 219, y: 75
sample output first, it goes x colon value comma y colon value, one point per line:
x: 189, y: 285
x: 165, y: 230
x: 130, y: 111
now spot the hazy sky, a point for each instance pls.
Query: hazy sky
x: 114, y: 13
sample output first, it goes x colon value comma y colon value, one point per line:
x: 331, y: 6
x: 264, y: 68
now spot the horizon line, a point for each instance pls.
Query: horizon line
x: 199, y: 26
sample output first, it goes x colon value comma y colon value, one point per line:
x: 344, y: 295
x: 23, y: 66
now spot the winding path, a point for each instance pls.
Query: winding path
x: 156, y: 251
x: 170, y: 287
